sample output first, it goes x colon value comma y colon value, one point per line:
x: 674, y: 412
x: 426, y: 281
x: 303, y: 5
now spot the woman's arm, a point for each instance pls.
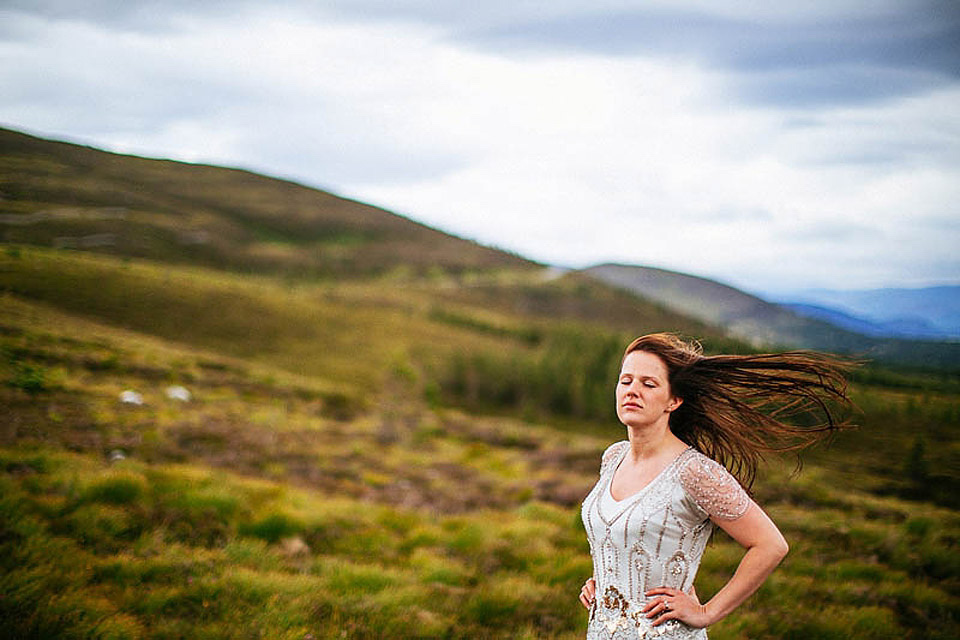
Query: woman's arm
x: 765, y: 548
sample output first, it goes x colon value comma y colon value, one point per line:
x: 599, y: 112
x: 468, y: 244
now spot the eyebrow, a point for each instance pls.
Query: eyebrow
x: 643, y: 377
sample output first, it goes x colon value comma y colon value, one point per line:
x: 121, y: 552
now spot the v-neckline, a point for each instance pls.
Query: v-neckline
x: 644, y: 488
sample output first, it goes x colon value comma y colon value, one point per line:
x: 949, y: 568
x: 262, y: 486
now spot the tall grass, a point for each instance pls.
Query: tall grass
x: 88, y: 547
x: 255, y: 510
x: 85, y: 550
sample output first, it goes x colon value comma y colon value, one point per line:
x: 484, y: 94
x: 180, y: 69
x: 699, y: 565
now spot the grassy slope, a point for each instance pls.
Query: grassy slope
x: 466, y: 525
x: 315, y: 398
x: 58, y: 194
x: 55, y: 193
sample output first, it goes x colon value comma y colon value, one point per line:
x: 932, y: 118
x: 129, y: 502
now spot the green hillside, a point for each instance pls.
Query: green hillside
x: 56, y: 194
x: 318, y: 483
x: 385, y: 450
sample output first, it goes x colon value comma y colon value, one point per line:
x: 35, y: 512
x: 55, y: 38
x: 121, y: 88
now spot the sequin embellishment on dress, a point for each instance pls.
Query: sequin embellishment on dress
x: 653, y: 538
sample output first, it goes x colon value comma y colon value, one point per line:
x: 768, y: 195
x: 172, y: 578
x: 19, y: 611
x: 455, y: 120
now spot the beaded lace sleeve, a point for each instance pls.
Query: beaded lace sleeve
x: 713, y: 488
x: 611, y: 454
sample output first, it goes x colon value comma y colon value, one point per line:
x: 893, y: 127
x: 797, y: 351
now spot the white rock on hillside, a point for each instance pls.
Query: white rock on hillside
x: 131, y: 397
x: 177, y: 392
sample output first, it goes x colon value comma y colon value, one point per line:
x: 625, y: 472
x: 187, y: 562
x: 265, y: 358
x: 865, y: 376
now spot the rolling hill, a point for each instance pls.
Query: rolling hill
x: 383, y: 446
x: 63, y: 195
x: 765, y: 324
x: 66, y: 196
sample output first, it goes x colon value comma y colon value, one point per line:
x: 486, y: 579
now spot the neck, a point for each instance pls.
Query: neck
x: 652, y: 441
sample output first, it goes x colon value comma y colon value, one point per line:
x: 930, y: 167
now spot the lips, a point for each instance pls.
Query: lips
x: 631, y: 405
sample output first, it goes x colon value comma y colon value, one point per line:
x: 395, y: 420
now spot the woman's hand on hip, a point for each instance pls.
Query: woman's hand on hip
x: 674, y: 604
x: 588, y: 593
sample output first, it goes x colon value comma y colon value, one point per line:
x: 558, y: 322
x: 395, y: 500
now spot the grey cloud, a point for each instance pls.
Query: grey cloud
x: 730, y: 214
x: 837, y: 231
x: 833, y: 85
x: 871, y: 55
x: 342, y: 158
x: 922, y: 34
x: 913, y: 143
x: 127, y: 15
x: 839, y: 62
x: 894, y: 155
x: 126, y: 97
x: 864, y: 54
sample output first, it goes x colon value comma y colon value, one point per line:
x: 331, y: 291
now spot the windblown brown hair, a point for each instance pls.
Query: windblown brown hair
x: 736, y: 408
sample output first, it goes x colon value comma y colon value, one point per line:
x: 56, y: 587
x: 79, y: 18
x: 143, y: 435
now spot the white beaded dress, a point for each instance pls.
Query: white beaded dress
x: 653, y: 538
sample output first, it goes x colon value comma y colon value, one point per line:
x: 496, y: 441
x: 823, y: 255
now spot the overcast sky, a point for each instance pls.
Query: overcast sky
x: 771, y: 145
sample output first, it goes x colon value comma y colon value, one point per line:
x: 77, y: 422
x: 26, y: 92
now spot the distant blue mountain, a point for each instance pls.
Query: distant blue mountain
x: 810, y: 325
x: 902, y: 327
x: 931, y: 312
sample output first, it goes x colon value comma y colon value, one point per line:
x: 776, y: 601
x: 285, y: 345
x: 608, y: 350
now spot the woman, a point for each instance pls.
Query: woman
x: 661, y: 491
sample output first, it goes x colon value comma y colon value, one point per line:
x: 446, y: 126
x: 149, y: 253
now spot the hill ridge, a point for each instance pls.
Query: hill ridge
x: 766, y: 324
x: 69, y: 196
x: 231, y: 218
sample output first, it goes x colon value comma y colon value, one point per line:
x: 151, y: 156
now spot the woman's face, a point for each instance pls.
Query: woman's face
x: 643, y: 391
